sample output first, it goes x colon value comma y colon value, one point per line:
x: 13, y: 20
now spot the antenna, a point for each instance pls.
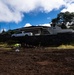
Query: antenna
x: 9, y: 27
x: 0, y: 28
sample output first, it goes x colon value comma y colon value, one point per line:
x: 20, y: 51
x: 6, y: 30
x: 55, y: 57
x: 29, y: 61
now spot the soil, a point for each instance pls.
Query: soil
x: 37, y: 61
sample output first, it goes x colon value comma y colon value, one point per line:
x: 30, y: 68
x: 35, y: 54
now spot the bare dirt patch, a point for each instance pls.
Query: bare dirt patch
x: 31, y: 61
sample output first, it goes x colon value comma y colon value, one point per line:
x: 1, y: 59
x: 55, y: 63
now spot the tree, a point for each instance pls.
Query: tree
x: 64, y: 17
x: 3, y: 31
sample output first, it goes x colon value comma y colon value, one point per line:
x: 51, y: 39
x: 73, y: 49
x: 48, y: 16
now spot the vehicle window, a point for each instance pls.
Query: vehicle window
x: 45, y: 32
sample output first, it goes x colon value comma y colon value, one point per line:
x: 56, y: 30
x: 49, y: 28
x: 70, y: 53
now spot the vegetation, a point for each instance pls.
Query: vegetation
x: 63, y: 18
x: 66, y: 47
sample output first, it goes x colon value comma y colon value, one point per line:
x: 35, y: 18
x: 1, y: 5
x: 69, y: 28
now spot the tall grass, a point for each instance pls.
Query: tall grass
x: 66, y: 47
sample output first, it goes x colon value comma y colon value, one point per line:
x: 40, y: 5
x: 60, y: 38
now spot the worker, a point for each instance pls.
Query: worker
x: 17, y: 47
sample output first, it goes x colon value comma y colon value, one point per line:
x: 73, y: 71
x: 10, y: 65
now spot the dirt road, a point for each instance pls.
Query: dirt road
x: 31, y: 61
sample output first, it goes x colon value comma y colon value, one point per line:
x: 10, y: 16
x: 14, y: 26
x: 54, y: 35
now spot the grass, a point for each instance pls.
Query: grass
x: 2, y: 45
x: 8, y: 47
x: 5, y: 46
x: 66, y: 47
x: 61, y: 47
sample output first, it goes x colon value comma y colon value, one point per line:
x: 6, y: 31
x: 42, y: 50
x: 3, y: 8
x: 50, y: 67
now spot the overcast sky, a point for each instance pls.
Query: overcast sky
x: 18, y: 13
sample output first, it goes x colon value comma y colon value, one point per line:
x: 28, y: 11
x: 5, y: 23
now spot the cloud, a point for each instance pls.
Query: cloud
x: 69, y: 6
x: 14, y: 10
x: 27, y: 25
x: 3, y: 30
x: 47, y: 24
x: 48, y: 18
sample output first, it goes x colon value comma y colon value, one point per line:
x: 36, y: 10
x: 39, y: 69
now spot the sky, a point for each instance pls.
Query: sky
x: 22, y: 13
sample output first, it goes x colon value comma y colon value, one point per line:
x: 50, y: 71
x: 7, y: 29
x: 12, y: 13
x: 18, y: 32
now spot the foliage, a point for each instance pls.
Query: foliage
x: 64, y: 17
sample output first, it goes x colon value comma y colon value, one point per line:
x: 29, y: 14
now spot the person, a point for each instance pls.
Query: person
x: 17, y: 47
x: 63, y: 26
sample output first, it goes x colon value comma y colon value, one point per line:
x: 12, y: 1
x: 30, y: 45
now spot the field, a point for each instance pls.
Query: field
x: 37, y: 61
